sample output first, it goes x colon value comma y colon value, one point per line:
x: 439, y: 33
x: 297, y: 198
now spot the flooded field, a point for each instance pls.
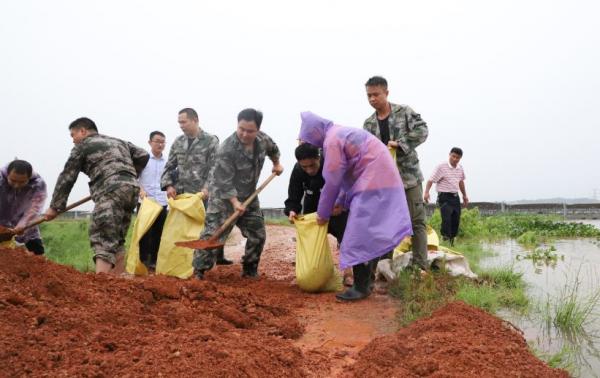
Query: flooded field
x: 564, y: 270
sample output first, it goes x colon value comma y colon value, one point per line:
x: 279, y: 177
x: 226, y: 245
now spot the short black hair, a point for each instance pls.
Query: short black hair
x: 306, y: 151
x: 250, y: 115
x: 152, y: 134
x: 376, y: 81
x: 20, y: 167
x: 83, y: 123
x: 456, y: 150
x: 191, y: 113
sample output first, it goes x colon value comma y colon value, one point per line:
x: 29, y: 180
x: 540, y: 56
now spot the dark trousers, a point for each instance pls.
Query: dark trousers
x: 36, y: 246
x: 449, y: 204
x: 150, y: 242
x: 337, y: 226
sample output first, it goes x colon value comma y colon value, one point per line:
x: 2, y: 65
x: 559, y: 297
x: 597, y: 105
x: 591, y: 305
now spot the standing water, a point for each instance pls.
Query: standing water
x: 577, y: 263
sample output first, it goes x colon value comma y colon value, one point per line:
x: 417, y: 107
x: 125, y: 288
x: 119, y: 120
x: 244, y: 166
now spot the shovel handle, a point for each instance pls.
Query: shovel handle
x: 71, y: 206
x: 236, y: 214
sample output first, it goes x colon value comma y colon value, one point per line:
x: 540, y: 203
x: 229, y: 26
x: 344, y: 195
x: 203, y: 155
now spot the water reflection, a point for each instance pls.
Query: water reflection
x: 550, y: 280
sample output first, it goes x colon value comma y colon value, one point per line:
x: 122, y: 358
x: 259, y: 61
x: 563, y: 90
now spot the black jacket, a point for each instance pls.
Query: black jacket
x: 304, y: 186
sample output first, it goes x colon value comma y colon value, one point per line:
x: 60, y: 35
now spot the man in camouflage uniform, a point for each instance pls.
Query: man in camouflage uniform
x: 400, y: 127
x: 239, y: 162
x: 113, y: 166
x: 191, y: 158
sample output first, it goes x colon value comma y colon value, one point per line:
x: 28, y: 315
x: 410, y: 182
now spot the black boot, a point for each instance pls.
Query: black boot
x: 199, y: 274
x: 250, y: 271
x: 362, y: 283
x: 221, y: 260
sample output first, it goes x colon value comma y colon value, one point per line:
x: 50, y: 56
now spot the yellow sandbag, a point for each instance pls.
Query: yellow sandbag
x: 146, y: 216
x: 184, y: 222
x: 393, y: 153
x: 433, y: 243
x: 9, y: 244
x: 314, y: 265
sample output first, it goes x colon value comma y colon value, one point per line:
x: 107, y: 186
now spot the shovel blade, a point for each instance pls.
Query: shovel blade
x: 5, y: 234
x: 200, y: 244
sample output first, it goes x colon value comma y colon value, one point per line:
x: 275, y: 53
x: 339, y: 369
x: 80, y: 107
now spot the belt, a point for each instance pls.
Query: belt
x: 448, y: 194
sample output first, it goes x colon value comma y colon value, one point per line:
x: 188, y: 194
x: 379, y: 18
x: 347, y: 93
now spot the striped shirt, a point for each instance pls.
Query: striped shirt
x: 447, y: 177
x: 150, y: 179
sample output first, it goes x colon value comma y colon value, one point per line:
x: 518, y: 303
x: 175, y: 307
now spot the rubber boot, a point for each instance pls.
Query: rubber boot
x: 250, y: 271
x: 362, y: 283
x: 221, y: 260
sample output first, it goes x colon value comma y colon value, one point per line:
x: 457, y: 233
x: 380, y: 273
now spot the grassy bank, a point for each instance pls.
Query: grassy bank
x: 67, y: 243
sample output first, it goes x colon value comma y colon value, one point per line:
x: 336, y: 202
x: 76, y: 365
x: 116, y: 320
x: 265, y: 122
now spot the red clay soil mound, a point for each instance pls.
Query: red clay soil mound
x: 55, y: 321
x: 456, y: 341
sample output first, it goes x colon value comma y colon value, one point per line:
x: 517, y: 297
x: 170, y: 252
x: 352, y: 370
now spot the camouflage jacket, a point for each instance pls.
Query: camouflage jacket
x: 108, y: 162
x: 237, y: 171
x: 409, y: 130
x: 187, y: 169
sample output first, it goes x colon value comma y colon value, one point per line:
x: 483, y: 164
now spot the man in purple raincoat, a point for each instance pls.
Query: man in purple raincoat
x: 22, y: 196
x: 361, y: 176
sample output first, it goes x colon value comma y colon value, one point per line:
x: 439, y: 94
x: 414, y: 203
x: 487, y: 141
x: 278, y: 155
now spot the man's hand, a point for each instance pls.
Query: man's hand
x: 171, y: 192
x: 337, y: 210
x: 204, y: 193
x: 277, y: 168
x: 292, y: 216
x: 426, y: 197
x: 321, y: 221
x: 393, y: 144
x: 143, y: 193
x: 465, y: 201
x: 237, y: 205
x: 16, y: 230
x: 50, y: 214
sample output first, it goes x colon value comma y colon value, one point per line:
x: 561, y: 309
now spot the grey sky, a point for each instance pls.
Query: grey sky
x: 514, y: 83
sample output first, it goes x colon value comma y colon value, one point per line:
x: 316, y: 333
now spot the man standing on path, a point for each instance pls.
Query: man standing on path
x: 150, y: 187
x: 191, y: 159
x: 239, y: 162
x: 401, y: 128
x: 22, y: 197
x: 113, y: 166
x: 449, y: 178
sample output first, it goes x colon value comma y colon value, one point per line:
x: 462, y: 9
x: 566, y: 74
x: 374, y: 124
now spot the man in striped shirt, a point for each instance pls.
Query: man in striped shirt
x: 449, y: 178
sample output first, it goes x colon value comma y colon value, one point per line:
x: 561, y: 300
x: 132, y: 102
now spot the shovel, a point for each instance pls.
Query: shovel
x: 213, y: 242
x: 7, y: 234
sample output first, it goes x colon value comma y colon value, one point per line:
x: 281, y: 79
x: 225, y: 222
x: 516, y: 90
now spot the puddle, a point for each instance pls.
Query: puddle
x: 578, y: 259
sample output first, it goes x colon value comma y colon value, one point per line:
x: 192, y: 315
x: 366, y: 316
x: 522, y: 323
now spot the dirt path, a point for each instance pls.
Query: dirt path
x: 332, y: 328
x: 55, y: 321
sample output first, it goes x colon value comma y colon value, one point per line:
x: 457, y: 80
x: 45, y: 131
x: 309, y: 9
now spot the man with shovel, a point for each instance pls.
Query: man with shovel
x: 113, y: 166
x: 22, y: 196
x: 238, y: 165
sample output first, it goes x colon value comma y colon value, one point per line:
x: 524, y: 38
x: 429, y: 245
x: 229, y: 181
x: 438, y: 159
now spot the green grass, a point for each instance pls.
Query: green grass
x: 67, y: 243
x: 280, y: 221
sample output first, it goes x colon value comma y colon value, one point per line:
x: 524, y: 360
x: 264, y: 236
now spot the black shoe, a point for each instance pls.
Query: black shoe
x: 221, y: 260
x: 224, y: 261
x: 352, y: 294
x: 250, y: 271
x: 199, y: 274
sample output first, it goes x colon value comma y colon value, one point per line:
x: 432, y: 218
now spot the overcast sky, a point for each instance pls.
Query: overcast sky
x: 516, y: 84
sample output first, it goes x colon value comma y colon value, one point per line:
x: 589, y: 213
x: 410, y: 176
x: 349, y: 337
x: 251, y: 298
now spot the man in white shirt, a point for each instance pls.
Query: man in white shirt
x: 449, y: 178
x: 150, y: 187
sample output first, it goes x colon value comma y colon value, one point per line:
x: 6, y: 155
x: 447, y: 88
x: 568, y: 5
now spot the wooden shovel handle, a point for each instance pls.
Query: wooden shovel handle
x: 236, y: 214
x: 71, y: 206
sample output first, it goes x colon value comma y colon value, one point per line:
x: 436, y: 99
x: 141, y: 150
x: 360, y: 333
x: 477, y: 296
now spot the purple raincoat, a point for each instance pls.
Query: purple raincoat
x: 360, y: 175
x: 22, y: 206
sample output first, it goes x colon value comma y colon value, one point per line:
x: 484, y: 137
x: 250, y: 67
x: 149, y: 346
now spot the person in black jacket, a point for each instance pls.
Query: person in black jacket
x: 306, y: 182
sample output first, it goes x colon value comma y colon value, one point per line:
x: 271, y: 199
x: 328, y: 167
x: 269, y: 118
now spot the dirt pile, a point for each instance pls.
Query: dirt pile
x: 55, y: 321
x: 456, y: 341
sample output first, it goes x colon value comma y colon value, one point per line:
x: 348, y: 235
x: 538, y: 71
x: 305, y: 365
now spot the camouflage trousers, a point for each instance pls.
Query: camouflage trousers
x: 416, y: 208
x: 110, y: 221
x: 252, y: 225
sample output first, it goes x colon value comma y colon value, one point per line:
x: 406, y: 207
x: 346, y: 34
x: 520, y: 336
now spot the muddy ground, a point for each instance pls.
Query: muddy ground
x: 55, y: 321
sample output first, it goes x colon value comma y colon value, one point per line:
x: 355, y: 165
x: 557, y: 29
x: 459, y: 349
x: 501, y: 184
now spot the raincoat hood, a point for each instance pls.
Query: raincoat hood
x: 314, y: 128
